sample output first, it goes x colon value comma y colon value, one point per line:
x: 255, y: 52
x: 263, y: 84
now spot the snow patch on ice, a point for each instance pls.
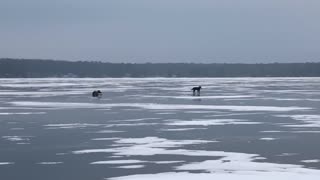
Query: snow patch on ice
x: 227, y: 162
x: 306, y: 132
x: 131, y: 166
x: 307, y: 119
x: 308, y: 174
x: 135, y: 120
x: 183, y: 129
x: 17, y: 129
x: 268, y: 139
x: 165, y: 113
x: 214, y: 122
x: 159, y: 142
x: 287, y: 154
x: 232, y: 114
x: 311, y: 161
x: 199, y: 112
x: 6, y: 163
x: 200, y: 97
x: 20, y: 113
x: 109, y: 131
x: 128, y: 161
x: 104, y: 139
x: 71, y: 126
x: 149, y: 146
x: 238, y: 164
x: 132, y: 124
x: 271, y: 131
x: 168, y: 162
x: 49, y: 163
x: 22, y: 143
x: 16, y: 138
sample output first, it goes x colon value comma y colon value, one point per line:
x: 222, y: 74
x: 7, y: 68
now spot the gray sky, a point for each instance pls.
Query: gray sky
x: 208, y: 31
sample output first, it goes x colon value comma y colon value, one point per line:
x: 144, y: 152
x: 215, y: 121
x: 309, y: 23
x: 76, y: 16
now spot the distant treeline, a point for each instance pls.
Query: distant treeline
x: 32, y: 68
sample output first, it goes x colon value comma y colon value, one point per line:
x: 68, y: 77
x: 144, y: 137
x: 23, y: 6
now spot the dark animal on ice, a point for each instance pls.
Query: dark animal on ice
x: 97, y: 93
x: 196, y: 91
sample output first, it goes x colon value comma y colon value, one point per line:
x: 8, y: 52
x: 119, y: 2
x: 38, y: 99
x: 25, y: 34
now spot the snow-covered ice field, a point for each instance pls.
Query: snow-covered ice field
x: 152, y: 129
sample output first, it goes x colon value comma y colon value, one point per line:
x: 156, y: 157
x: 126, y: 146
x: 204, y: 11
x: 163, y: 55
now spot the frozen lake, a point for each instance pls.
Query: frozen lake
x: 152, y: 129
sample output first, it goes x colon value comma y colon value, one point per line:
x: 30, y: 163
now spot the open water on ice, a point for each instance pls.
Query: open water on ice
x: 152, y: 128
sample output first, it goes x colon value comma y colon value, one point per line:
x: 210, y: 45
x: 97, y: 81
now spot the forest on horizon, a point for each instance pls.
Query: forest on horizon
x: 37, y: 68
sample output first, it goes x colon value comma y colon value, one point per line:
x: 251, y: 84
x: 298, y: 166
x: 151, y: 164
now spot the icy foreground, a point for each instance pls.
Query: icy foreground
x: 152, y: 128
x: 223, y: 176
x: 237, y: 164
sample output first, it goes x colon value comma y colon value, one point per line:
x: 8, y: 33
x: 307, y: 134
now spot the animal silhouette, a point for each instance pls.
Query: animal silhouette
x: 97, y: 93
x: 196, y: 90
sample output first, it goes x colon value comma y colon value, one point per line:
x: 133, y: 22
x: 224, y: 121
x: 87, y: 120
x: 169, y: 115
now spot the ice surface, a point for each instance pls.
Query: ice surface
x: 17, y: 129
x: 158, y: 106
x: 39, y: 93
x: 201, y: 97
x: 166, y: 133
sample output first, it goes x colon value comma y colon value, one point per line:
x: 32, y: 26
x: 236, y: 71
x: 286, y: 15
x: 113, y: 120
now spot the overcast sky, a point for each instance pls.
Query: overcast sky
x: 209, y: 31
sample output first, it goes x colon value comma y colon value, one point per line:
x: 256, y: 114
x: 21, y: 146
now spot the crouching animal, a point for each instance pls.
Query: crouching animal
x: 97, y: 93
